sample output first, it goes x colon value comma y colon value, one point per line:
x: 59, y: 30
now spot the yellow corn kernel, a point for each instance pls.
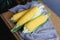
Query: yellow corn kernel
x: 18, y: 15
x: 27, y: 16
x: 34, y: 24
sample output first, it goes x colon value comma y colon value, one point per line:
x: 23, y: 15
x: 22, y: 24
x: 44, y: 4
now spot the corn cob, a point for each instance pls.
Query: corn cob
x: 18, y: 15
x: 34, y: 24
x: 29, y: 16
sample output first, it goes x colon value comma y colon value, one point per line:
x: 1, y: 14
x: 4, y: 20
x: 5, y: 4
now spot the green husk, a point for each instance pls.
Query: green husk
x: 42, y: 23
x: 38, y: 13
x: 16, y: 28
x: 39, y: 25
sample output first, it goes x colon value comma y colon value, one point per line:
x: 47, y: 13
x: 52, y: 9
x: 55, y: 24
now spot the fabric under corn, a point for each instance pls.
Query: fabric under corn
x: 20, y: 8
x: 45, y: 32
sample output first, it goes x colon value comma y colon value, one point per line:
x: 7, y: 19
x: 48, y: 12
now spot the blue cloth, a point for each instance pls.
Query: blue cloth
x: 45, y: 32
x: 20, y: 8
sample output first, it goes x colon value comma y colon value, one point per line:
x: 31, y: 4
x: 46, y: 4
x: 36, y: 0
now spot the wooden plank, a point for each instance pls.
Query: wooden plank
x: 55, y: 20
x: 6, y: 16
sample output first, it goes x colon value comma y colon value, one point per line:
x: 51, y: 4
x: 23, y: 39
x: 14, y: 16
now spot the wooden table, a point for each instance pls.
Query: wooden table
x: 54, y: 18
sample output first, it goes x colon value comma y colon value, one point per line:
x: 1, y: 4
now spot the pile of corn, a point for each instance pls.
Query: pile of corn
x: 31, y: 18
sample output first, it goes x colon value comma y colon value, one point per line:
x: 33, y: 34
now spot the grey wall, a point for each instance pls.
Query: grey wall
x: 54, y: 5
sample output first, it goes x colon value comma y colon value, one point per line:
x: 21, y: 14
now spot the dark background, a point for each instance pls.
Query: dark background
x: 5, y: 33
x: 6, y: 4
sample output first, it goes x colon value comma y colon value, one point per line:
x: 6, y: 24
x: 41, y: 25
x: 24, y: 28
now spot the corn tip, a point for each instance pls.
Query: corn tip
x: 48, y: 15
x: 26, y: 30
x: 14, y: 29
x: 12, y: 20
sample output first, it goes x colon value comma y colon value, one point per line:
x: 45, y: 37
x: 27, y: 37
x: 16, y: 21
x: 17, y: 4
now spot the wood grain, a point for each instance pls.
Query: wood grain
x: 54, y: 18
x: 6, y: 16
